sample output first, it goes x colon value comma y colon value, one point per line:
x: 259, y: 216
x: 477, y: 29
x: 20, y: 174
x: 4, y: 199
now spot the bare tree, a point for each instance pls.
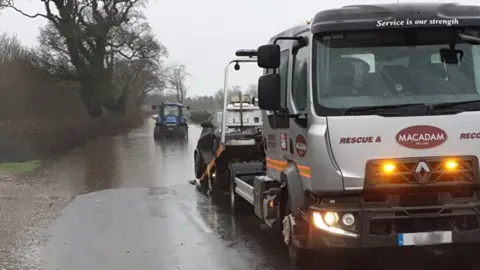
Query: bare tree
x: 176, y: 78
x: 83, y: 41
x: 218, y: 96
x: 134, y: 80
x: 11, y: 49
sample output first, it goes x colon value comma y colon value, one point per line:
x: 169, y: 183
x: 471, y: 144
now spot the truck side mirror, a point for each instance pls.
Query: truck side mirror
x: 268, y: 56
x: 269, y: 96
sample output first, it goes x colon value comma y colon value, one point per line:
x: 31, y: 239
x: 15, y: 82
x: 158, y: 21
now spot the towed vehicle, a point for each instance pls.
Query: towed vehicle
x: 243, y: 126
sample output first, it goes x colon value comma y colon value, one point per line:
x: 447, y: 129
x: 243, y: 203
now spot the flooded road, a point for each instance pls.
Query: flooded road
x: 138, y: 212
x: 128, y: 161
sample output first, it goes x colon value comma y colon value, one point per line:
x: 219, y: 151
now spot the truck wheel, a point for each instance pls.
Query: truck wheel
x: 300, y: 258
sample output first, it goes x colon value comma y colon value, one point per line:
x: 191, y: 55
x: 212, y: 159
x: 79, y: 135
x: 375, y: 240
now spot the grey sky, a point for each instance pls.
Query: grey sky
x: 204, y: 35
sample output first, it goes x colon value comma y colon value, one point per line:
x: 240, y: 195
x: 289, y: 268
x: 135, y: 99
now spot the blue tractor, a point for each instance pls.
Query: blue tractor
x: 171, y: 120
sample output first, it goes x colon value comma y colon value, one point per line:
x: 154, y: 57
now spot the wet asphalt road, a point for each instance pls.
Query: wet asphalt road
x: 138, y: 212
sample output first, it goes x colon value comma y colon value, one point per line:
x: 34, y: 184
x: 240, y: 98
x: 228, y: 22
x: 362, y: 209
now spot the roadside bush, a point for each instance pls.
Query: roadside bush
x: 40, y: 115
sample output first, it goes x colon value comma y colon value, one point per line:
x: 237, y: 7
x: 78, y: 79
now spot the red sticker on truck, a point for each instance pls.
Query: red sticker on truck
x: 301, y: 146
x: 421, y: 137
x: 283, y: 141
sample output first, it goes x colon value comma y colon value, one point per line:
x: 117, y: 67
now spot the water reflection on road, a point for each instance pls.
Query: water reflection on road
x: 145, y: 215
x: 126, y: 161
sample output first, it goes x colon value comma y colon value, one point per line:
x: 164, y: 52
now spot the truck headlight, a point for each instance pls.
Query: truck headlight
x: 330, y: 218
x: 328, y: 222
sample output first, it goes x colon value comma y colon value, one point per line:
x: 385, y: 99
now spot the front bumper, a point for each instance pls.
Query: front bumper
x: 389, y: 226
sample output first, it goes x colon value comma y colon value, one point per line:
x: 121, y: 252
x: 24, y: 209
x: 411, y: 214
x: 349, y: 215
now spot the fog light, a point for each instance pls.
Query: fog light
x: 330, y: 218
x: 348, y: 219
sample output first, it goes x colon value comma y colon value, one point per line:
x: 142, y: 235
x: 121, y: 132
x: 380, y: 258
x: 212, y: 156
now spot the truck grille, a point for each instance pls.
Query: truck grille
x: 390, y: 226
x: 406, y: 173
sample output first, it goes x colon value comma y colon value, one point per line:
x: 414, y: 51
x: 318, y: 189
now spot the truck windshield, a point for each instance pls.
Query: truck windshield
x: 170, y: 111
x: 391, y: 67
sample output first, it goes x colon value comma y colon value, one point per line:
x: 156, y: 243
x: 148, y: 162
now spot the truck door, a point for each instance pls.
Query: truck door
x: 276, y: 125
x: 297, y: 100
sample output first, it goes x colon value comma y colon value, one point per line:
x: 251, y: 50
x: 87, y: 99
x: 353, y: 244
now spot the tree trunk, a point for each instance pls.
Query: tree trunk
x: 90, y: 98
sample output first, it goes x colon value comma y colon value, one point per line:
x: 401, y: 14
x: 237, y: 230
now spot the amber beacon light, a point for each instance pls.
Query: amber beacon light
x: 388, y: 167
x: 450, y: 164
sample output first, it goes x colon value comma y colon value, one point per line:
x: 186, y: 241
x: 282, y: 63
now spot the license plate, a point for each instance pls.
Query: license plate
x: 424, y: 238
x: 171, y: 128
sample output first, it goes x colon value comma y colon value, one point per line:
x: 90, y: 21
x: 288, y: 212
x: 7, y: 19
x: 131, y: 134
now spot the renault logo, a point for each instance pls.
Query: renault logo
x: 422, y: 172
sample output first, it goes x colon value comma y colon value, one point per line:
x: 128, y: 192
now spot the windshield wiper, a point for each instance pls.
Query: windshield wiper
x: 471, y: 39
x: 377, y: 109
x: 446, y: 105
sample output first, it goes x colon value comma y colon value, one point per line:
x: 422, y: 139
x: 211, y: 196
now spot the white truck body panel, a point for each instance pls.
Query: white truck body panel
x: 357, y: 139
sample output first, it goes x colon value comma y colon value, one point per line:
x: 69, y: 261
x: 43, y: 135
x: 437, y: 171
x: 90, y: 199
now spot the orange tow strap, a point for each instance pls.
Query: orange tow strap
x: 206, y: 174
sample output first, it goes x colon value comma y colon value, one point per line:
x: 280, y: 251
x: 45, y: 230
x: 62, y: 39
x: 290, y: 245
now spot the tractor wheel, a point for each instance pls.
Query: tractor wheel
x: 156, y: 132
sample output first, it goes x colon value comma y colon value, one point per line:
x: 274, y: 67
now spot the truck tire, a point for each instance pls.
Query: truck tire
x: 301, y: 258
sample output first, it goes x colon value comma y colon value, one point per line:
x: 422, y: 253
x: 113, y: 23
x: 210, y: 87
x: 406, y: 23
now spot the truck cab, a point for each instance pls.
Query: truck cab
x: 370, y: 125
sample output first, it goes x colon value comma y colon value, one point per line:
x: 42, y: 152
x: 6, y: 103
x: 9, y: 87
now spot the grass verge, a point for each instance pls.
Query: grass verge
x: 19, y: 167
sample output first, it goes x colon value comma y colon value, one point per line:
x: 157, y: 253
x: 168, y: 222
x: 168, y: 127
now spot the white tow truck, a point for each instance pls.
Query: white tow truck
x: 370, y: 133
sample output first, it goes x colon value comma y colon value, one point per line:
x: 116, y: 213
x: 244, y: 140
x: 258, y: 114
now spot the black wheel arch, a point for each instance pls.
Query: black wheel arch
x: 294, y: 187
